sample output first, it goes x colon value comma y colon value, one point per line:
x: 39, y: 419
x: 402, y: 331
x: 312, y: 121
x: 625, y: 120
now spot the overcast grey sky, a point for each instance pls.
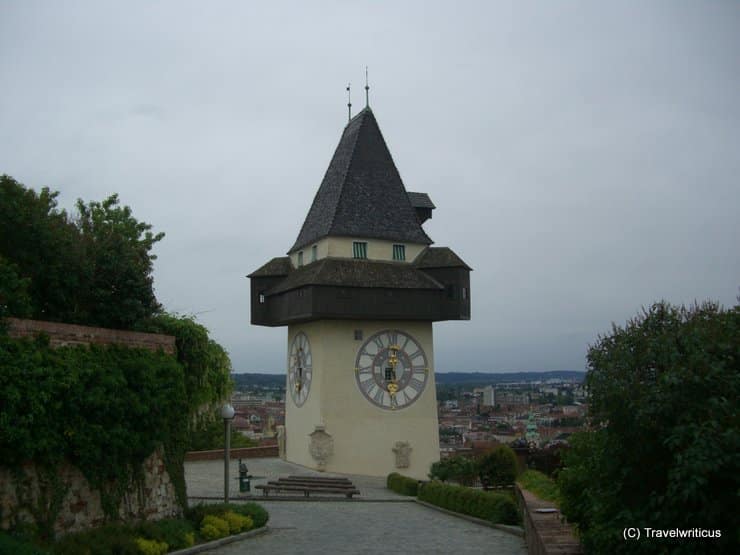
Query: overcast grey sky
x: 583, y: 156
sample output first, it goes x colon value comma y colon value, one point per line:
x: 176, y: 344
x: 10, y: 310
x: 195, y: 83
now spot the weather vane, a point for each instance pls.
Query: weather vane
x: 349, y: 103
x: 367, y: 90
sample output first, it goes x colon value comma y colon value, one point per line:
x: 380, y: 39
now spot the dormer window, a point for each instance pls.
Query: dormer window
x: 399, y: 252
x: 359, y: 249
x: 300, y: 259
x: 314, y: 253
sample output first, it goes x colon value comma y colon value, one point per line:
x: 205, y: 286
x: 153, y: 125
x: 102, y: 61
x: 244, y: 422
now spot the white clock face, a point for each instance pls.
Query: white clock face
x: 391, y: 369
x: 300, y: 369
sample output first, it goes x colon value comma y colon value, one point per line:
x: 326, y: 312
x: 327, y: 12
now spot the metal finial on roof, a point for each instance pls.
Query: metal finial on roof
x: 349, y: 103
x: 367, y: 90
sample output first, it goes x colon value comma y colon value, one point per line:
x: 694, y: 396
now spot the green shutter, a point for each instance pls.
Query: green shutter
x: 359, y: 249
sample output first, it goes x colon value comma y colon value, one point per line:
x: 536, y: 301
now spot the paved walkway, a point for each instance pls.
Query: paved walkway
x: 206, y: 478
x: 300, y: 527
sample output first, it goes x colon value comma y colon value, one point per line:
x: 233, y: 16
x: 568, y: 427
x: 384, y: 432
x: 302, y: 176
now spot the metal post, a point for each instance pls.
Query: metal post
x: 227, y: 432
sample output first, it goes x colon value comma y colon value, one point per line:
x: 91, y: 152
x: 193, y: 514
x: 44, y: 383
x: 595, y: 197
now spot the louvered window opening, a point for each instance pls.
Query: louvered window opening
x: 399, y: 252
x: 359, y: 249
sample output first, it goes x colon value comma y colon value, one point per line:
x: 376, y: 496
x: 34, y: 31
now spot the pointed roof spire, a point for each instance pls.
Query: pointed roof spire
x: 349, y: 103
x: 367, y: 90
x: 362, y: 194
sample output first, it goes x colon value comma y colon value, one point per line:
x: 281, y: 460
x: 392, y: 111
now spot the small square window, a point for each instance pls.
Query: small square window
x: 399, y: 252
x: 359, y: 249
x: 300, y: 259
x: 262, y: 298
x: 358, y: 335
x: 314, y: 253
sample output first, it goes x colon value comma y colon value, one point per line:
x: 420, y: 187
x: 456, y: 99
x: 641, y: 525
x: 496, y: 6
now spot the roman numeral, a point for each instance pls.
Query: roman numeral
x: 418, y: 385
x: 378, y: 396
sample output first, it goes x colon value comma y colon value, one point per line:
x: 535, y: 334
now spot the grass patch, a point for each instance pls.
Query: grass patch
x: 539, y: 484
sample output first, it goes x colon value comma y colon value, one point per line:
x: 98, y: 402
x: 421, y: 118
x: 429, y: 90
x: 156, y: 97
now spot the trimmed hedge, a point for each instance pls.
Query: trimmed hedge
x: 402, y: 484
x: 497, y: 508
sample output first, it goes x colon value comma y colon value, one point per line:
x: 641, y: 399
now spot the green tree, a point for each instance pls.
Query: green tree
x: 45, y: 248
x: 14, y: 297
x: 498, y: 467
x: 95, y: 269
x: 665, y: 449
x: 118, y: 246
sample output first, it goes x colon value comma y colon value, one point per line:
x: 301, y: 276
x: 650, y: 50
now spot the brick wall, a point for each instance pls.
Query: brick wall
x: 545, y: 533
x: 72, y: 334
x: 261, y: 452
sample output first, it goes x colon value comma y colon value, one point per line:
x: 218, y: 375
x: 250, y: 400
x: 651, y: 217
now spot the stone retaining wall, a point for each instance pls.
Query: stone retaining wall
x: 545, y: 533
x: 261, y: 452
x: 26, y: 494
x: 71, y: 334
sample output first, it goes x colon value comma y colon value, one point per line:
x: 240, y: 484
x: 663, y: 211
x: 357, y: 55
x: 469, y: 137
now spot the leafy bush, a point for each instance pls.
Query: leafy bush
x: 11, y: 545
x: 539, y: 484
x: 665, y: 449
x: 213, y: 527
x: 113, y: 539
x: 498, y: 467
x: 458, y: 468
x: 238, y: 523
x: 256, y: 512
x: 177, y: 533
x: 151, y: 547
x: 402, y: 484
x: 495, y: 507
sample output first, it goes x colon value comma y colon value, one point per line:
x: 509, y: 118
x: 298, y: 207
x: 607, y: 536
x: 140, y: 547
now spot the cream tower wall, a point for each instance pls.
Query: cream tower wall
x: 341, y: 247
x: 364, y: 435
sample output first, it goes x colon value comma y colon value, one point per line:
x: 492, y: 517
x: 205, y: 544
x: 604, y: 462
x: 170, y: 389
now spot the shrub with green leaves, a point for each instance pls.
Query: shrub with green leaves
x: 151, y: 547
x: 498, y: 467
x: 402, y: 484
x: 213, y: 527
x: 495, y: 507
x: 256, y: 512
x: 112, y: 539
x: 177, y: 533
x: 664, y: 451
x: 237, y: 523
x: 17, y: 546
x: 459, y: 469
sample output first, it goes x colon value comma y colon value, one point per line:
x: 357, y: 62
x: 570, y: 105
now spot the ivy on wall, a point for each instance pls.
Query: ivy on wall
x: 103, y: 408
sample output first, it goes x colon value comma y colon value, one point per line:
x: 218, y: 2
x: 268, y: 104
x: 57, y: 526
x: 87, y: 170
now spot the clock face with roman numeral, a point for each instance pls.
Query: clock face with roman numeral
x: 391, y: 369
x: 300, y: 368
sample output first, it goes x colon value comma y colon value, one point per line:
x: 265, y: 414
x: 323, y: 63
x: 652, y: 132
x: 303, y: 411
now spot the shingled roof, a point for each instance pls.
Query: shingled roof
x: 440, y: 257
x: 362, y: 194
x: 339, y: 272
x: 279, y: 266
x: 420, y: 200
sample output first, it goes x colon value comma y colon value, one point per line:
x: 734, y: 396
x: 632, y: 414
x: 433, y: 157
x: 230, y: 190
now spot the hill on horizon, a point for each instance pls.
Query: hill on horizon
x: 245, y: 379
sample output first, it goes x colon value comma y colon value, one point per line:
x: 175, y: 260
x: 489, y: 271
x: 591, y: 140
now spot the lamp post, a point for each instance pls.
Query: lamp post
x: 227, y: 413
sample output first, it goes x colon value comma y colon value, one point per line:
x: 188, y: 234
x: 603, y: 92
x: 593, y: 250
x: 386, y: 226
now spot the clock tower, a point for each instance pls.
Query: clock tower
x: 359, y: 291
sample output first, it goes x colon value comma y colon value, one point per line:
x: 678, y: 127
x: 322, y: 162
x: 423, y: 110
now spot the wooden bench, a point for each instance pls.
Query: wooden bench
x: 308, y: 485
